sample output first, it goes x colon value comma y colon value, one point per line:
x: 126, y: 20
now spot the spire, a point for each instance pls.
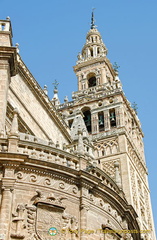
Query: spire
x: 94, y: 46
x: 93, y: 20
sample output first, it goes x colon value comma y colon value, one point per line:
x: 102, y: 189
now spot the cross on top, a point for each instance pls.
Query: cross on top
x: 55, y: 83
x: 115, y: 66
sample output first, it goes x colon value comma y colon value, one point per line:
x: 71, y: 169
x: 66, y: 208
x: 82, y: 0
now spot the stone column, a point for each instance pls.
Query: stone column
x: 107, y: 120
x: 5, y: 215
x: 94, y: 51
x: 103, y: 76
x: 80, y: 147
x: 13, y: 138
x: 6, y: 205
x: 83, y: 213
x: 94, y: 123
x: 118, y: 120
x: 83, y: 222
x: 79, y: 82
x: 119, y: 117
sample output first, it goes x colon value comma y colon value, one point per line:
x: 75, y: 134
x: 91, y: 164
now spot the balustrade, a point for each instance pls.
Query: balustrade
x: 47, y: 153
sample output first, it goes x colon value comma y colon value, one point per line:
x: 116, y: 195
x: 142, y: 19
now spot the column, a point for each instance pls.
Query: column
x: 83, y: 222
x: 94, y: 123
x: 107, y: 120
x: 79, y: 82
x: 119, y: 117
x: 8, y: 182
x: 103, y: 76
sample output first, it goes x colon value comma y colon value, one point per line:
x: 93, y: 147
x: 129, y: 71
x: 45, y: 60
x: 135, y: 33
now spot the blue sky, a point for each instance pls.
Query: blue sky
x: 52, y: 32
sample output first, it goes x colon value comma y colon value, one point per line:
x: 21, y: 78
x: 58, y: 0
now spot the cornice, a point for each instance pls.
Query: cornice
x: 88, y: 63
x: 10, y: 54
x: 93, y: 61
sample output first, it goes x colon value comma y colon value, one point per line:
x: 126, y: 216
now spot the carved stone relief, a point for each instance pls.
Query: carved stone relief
x: 46, y: 217
x: 18, y: 224
x: 106, y: 148
x: 48, y: 180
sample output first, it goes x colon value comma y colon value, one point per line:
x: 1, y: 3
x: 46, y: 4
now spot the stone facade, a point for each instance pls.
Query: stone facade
x: 74, y: 170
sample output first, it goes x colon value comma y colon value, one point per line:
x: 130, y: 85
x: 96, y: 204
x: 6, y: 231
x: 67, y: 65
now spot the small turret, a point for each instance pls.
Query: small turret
x: 5, y: 32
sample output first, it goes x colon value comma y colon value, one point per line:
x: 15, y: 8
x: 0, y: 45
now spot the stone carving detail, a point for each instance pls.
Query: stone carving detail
x: 33, y: 178
x: 106, y: 148
x: 147, y: 206
x: 137, y: 161
x: 133, y: 184
x: 49, y: 180
x: 109, y: 167
x: 70, y: 227
x: 31, y: 216
x: 18, y: 224
x: 44, y: 213
x: 62, y: 185
x: 75, y: 190
x: 105, y: 206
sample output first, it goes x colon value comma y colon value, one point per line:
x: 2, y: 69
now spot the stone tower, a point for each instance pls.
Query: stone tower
x: 112, y: 124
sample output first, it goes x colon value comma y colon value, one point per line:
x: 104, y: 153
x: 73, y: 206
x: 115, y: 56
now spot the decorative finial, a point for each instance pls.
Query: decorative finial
x: 93, y: 20
x: 66, y: 99
x: 55, y: 84
x: 17, y: 47
x: 45, y: 89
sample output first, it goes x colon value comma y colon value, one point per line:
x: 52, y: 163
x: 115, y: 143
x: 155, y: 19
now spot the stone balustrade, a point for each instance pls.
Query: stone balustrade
x: 96, y: 92
x: 105, y: 180
x: 39, y: 149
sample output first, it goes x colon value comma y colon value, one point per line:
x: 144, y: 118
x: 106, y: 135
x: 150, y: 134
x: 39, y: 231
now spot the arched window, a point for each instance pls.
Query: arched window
x: 70, y: 122
x: 91, y: 52
x: 91, y: 80
x: 87, y: 119
x: 112, y: 117
x: 101, y: 121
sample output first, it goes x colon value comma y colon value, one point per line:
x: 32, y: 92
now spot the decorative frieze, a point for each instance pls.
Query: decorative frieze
x: 106, y: 147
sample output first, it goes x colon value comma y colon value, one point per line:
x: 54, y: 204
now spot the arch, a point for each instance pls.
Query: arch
x: 91, y: 52
x: 101, y: 121
x: 91, y: 80
x: 87, y: 118
x: 112, y: 117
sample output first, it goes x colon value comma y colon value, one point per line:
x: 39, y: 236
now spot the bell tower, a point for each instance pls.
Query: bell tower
x: 113, y: 126
x: 97, y: 81
x: 93, y: 51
